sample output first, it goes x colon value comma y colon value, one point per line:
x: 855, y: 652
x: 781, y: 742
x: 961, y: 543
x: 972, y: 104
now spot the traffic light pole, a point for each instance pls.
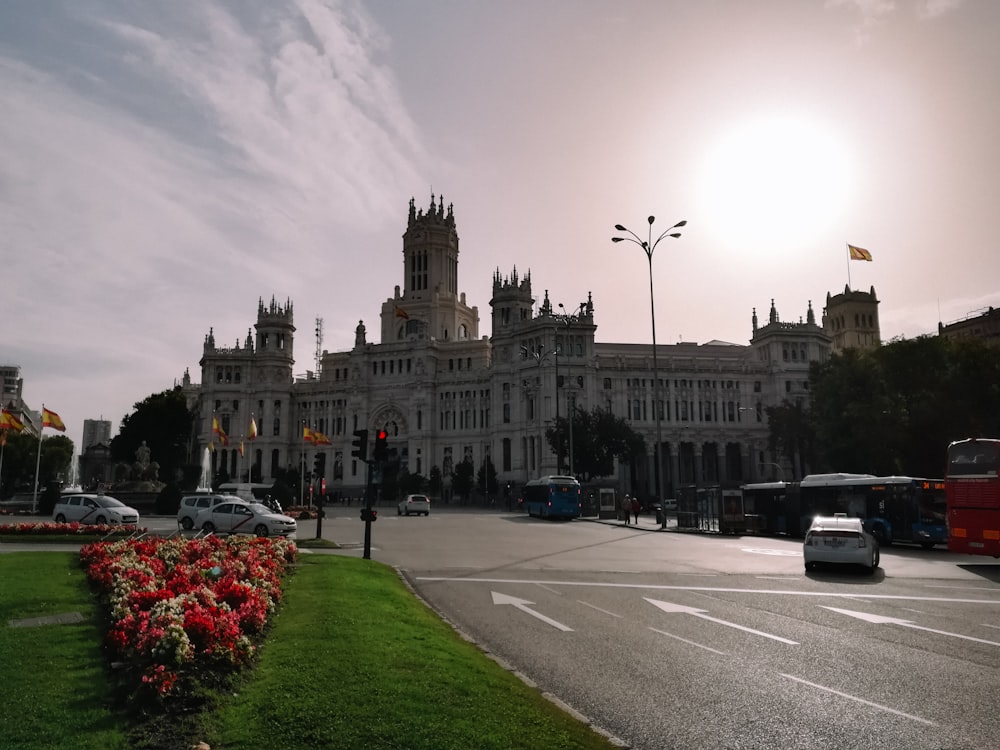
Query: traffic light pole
x: 368, y: 512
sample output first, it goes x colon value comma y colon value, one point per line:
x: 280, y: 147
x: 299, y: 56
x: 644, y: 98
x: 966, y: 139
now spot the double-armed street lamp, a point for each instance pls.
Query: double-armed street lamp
x: 648, y: 246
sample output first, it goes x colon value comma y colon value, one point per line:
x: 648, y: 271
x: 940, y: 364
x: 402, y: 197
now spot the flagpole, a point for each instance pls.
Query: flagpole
x: 848, y: 264
x: 38, y: 462
x: 3, y: 446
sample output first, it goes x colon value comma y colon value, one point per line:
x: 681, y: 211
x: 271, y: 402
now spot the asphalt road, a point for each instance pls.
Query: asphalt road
x: 676, y: 640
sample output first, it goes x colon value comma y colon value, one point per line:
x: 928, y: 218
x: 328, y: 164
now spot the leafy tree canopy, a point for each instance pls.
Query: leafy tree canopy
x: 164, y: 423
x: 893, y: 410
x: 599, y: 437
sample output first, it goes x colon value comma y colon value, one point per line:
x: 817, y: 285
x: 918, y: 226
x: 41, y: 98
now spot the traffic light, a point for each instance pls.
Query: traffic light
x: 319, y: 464
x: 369, y: 514
x: 360, y: 445
x: 381, y: 452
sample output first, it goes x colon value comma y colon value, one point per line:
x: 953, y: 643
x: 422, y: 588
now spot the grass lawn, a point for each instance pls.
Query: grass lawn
x: 353, y: 660
x: 55, y: 688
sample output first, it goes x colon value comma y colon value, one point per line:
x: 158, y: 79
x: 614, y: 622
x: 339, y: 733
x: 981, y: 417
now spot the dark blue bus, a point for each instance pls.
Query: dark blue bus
x: 551, y: 497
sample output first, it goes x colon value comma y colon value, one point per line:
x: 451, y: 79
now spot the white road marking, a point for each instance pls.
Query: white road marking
x: 772, y: 551
x: 882, y: 620
x: 859, y: 700
x: 670, y: 607
x: 594, y: 606
x: 713, y: 589
x: 550, y: 590
x: 521, y: 604
x: 690, y: 643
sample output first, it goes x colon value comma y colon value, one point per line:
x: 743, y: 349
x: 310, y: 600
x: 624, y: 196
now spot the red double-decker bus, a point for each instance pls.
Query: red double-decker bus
x: 972, y: 490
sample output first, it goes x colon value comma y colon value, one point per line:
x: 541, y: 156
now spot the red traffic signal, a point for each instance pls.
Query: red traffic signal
x: 381, y: 450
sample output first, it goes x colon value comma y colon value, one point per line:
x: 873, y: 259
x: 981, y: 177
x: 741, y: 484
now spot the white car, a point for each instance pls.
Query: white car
x: 420, y: 504
x: 240, y: 517
x: 89, y: 508
x: 191, y: 505
x: 842, y: 540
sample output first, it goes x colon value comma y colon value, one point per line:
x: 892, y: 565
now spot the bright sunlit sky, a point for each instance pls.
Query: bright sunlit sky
x: 163, y: 165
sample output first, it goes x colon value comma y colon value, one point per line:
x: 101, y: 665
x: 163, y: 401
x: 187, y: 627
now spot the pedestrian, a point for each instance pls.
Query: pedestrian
x: 636, y: 507
x: 627, y: 508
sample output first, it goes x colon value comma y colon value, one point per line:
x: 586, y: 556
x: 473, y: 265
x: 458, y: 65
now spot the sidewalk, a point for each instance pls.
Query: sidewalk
x: 647, y: 522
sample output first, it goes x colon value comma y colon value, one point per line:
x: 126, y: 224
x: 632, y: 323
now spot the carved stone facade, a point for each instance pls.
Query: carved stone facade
x: 444, y: 394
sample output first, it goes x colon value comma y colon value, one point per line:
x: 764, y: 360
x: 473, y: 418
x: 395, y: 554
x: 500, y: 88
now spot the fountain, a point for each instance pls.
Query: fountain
x: 205, y: 482
x: 74, y: 477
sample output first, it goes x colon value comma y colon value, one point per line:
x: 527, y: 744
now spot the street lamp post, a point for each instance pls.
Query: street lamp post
x: 648, y: 246
x: 781, y: 472
x: 539, y: 357
x: 568, y: 320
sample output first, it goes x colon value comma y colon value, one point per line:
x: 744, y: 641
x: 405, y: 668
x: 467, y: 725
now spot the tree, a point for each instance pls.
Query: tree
x: 435, y: 482
x: 164, y: 423
x: 411, y: 484
x: 599, y: 437
x: 20, y: 456
x: 486, y: 478
x: 792, y: 435
x: 893, y: 410
x: 462, y: 480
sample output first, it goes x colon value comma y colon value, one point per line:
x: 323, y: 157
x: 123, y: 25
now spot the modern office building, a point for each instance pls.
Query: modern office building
x: 447, y: 393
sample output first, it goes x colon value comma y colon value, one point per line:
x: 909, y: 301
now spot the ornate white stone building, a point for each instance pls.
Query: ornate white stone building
x: 446, y: 393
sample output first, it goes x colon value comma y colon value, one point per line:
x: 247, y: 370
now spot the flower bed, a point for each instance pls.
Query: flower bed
x: 50, y: 528
x: 186, y: 611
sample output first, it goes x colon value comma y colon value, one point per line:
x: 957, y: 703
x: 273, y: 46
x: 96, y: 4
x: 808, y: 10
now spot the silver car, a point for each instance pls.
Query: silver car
x: 239, y: 517
x: 89, y: 508
x: 191, y: 505
x: 420, y: 504
x: 841, y: 540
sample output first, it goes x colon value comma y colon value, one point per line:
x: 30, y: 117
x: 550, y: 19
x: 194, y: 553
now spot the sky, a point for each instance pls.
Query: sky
x: 166, y: 165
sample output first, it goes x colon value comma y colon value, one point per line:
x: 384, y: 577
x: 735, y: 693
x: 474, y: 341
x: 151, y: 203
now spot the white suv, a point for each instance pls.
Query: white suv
x: 191, y: 505
x: 414, y: 504
x: 99, y: 509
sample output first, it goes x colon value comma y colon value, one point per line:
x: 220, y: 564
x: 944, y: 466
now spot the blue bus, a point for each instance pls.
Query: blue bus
x: 552, y: 497
x: 894, y: 508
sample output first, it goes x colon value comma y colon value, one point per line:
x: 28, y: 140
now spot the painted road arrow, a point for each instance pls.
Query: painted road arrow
x: 882, y: 620
x: 679, y: 608
x: 520, y: 604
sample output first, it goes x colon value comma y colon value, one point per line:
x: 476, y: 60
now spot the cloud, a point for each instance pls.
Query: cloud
x: 163, y: 166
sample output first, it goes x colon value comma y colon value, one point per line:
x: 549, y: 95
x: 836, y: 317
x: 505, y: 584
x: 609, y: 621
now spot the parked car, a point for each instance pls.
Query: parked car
x: 241, y: 517
x: 191, y: 505
x: 414, y: 504
x: 93, y: 509
x: 841, y: 540
x: 653, y: 505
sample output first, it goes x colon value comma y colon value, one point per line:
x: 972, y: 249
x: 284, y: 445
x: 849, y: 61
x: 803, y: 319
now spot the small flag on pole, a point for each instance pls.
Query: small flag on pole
x: 320, y: 439
x: 10, y: 422
x: 51, y: 419
x: 252, y: 431
x: 242, y: 453
x: 858, y: 253
x: 307, y: 435
x: 401, y: 313
x: 216, y: 429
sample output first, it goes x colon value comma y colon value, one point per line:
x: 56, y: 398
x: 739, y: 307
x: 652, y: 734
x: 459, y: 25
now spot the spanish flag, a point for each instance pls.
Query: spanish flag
x: 216, y: 429
x: 252, y: 431
x: 320, y: 439
x: 51, y: 419
x: 307, y: 435
x: 10, y: 422
x: 858, y: 253
x: 401, y: 313
x: 242, y: 450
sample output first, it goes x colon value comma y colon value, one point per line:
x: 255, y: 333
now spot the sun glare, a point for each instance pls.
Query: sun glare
x: 783, y: 177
